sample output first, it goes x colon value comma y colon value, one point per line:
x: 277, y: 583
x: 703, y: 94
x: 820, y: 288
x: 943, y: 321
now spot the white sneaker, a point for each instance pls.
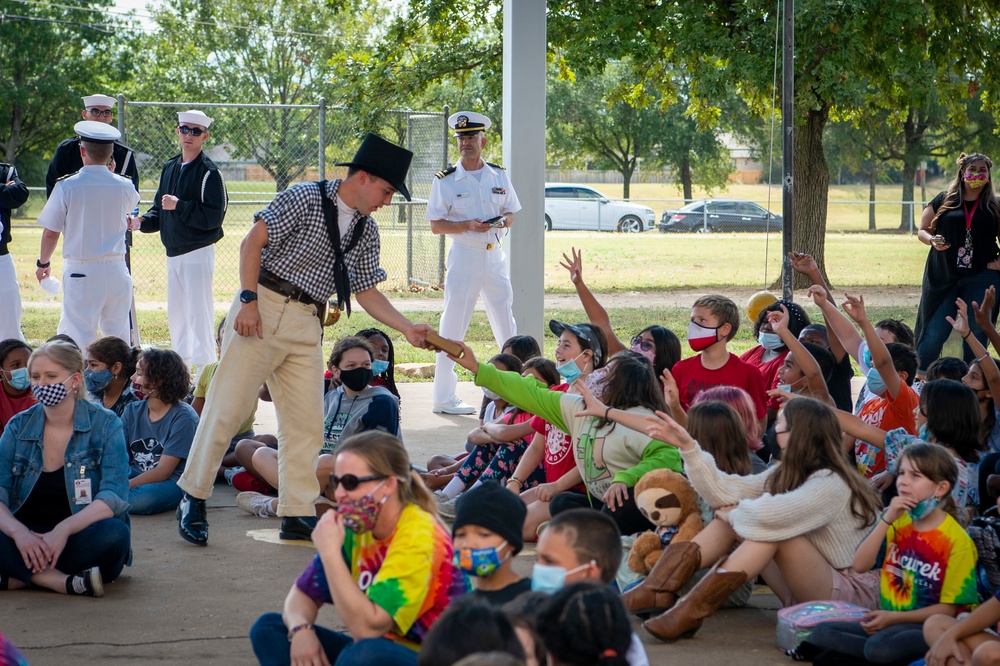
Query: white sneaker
x: 446, y: 507
x: 256, y: 504
x: 454, y: 406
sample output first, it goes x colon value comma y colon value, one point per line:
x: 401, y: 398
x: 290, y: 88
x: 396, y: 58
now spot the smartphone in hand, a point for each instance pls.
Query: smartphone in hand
x: 497, y: 221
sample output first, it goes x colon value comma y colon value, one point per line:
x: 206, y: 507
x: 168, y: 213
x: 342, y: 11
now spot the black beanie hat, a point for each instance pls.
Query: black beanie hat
x: 495, y: 508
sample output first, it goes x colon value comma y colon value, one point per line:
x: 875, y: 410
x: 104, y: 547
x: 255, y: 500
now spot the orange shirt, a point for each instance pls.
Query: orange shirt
x: 885, y: 414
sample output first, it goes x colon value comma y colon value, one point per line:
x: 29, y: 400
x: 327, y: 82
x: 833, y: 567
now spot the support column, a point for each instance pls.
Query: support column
x: 524, y: 45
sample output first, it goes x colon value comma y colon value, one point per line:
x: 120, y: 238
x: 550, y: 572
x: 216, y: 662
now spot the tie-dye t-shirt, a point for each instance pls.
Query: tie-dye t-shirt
x: 920, y: 569
x: 409, y: 574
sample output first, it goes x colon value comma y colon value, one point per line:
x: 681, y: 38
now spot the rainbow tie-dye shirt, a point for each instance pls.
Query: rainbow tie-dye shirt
x: 920, y: 569
x: 409, y: 574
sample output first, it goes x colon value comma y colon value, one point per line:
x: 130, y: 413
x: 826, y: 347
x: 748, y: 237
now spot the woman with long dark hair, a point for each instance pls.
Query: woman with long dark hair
x: 960, y: 225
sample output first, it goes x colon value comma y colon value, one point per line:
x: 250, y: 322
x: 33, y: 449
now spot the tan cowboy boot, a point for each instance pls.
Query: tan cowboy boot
x: 677, y: 563
x: 704, y: 599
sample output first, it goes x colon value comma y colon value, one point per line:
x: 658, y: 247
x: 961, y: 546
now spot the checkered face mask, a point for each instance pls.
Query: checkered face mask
x: 50, y: 395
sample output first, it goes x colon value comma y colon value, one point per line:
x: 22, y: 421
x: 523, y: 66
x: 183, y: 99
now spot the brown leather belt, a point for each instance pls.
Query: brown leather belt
x: 287, y: 289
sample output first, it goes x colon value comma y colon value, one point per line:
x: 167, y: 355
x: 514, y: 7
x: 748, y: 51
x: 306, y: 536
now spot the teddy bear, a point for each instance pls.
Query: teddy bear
x: 668, y: 501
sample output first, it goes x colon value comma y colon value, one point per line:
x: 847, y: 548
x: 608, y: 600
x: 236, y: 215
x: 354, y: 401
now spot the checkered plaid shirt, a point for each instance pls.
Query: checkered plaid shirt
x: 299, y: 249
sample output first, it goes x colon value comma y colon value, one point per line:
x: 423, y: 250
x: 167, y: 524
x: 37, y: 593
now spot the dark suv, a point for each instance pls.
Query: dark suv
x: 711, y: 215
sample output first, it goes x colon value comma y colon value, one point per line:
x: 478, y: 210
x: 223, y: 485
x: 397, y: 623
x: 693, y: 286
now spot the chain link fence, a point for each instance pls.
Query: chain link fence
x: 262, y: 149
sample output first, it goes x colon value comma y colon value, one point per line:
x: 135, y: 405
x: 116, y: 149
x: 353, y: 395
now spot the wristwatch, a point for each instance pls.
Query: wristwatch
x: 38, y: 262
x: 247, y: 296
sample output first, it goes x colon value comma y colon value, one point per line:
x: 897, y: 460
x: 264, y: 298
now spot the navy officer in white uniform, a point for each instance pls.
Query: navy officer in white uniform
x: 463, y: 199
x: 89, y: 209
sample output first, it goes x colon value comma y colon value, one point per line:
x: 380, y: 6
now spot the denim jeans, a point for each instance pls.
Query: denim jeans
x: 898, y: 644
x: 269, y: 638
x: 105, y: 544
x: 153, y: 497
x: 938, y: 329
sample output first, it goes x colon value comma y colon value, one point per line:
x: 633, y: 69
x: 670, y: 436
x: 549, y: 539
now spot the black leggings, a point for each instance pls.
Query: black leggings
x: 627, y: 516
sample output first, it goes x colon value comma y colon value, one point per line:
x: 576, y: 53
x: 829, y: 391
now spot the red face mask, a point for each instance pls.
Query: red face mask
x: 702, y: 337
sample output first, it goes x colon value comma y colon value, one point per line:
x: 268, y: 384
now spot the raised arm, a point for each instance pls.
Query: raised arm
x: 961, y: 324
x: 838, y: 326
x: 881, y: 359
x: 984, y: 317
x: 858, y: 429
x: 596, y: 313
x: 804, y: 264
x: 805, y: 360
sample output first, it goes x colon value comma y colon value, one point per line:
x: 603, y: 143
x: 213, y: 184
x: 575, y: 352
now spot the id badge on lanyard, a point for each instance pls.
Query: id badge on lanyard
x: 965, y: 252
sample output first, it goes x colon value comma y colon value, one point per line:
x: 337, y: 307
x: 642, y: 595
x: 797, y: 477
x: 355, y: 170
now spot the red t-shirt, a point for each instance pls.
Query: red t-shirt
x: 11, y: 405
x: 559, y: 459
x: 692, y: 378
x: 767, y: 369
x: 885, y: 414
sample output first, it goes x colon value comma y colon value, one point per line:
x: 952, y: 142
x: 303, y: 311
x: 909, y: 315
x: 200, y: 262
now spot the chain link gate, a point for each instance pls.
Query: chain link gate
x: 260, y: 150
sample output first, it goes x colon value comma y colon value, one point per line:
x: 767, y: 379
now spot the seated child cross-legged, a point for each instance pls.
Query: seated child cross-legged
x: 487, y: 536
x: 927, y: 565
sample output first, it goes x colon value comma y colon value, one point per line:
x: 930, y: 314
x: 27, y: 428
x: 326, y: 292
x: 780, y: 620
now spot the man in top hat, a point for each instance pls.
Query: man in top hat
x: 89, y: 209
x: 463, y: 199
x: 289, y: 269
x: 188, y: 211
x: 66, y: 161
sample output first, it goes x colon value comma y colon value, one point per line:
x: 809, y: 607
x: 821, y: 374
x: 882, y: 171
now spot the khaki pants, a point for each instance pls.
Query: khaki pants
x: 290, y: 359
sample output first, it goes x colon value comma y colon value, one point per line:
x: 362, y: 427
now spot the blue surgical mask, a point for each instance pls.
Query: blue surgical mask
x: 19, y: 379
x: 97, y: 380
x: 923, y: 508
x: 770, y: 341
x: 925, y: 433
x: 378, y: 367
x: 874, y: 382
x: 479, y: 562
x: 784, y: 387
x: 570, y: 371
x: 490, y: 395
x: 550, y: 579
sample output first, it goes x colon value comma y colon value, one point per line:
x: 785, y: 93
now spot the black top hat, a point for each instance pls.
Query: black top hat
x: 383, y: 159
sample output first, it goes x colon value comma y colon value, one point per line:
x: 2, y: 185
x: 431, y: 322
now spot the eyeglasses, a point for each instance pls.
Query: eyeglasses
x: 644, y: 345
x: 351, y: 482
x: 100, y: 114
x: 193, y: 131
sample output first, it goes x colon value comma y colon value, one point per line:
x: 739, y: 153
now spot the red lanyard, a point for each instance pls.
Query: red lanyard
x: 968, y: 215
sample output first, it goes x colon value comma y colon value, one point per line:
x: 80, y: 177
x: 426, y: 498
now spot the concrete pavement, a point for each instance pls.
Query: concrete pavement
x: 179, y: 604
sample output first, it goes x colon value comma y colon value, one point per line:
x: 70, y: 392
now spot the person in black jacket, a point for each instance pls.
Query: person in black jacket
x: 188, y: 211
x: 67, y: 158
x: 13, y: 193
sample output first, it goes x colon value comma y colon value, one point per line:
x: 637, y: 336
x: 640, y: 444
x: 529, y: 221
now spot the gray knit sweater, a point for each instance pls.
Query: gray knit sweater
x: 819, y: 509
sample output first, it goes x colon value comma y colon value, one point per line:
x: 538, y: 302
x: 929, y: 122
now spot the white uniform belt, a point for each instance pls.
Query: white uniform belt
x: 99, y: 260
x: 478, y: 246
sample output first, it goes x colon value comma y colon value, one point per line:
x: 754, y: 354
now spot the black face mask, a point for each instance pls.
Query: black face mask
x: 356, y: 379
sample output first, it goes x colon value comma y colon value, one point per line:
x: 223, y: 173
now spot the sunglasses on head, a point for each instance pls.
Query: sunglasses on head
x: 193, y: 131
x: 351, y: 481
x: 644, y: 345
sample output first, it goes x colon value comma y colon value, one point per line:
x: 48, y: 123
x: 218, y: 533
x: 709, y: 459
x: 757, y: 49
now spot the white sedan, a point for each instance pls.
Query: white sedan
x: 581, y: 207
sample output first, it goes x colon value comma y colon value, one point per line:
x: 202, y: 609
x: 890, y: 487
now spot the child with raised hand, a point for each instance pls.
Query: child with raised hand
x: 158, y: 431
x: 108, y: 375
x: 894, y: 367
x: 800, y: 372
x: 927, y: 564
x: 657, y: 343
x: 487, y: 537
x: 770, y: 354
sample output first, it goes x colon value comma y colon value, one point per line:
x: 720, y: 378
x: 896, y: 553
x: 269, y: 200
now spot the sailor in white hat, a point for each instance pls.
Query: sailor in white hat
x: 188, y: 210
x: 97, y: 108
x: 88, y: 209
x: 475, y: 203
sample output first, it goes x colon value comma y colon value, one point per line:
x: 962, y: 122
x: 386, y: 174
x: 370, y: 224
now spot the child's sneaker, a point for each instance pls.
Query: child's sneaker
x: 446, y: 507
x: 247, y: 482
x: 230, y: 472
x: 256, y: 504
x: 86, y: 584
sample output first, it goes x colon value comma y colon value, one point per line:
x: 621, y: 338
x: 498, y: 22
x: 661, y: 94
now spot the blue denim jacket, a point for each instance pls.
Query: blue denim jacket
x: 96, y: 451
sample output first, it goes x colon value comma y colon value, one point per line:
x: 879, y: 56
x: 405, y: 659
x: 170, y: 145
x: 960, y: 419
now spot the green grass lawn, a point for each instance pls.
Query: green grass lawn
x: 39, y: 323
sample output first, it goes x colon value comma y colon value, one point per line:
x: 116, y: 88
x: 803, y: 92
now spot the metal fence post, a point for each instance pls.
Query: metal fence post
x: 322, y: 138
x: 444, y: 165
x: 121, y: 118
x: 409, y: 209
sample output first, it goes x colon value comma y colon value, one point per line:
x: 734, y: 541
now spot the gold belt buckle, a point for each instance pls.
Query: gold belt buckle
x: 490, y: 246
x: 332, y: 313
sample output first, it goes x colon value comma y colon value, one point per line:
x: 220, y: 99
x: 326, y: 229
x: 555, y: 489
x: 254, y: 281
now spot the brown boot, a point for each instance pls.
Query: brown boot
x: 704, y: 599
x: 659, y: 591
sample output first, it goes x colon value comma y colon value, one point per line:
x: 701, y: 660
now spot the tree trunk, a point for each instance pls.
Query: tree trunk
x: 906, y: 218
x: 686, y: 179
x: 626, y: 172
x: 811, y: 188
x: 871, y: 195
